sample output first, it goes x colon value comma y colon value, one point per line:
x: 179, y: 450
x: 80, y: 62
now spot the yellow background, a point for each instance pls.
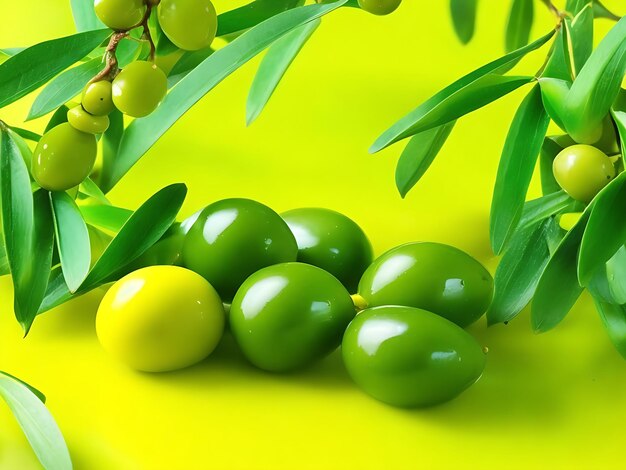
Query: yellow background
x: 549, y: 401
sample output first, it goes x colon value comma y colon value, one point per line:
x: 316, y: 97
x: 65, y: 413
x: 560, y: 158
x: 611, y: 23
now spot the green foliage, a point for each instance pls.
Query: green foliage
x: 463, y: 14
x: 519, y: 24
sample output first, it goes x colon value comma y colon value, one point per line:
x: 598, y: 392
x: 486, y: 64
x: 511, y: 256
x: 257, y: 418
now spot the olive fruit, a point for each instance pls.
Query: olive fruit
x: 160, y: 318
x: 63, y: 158
x: 582, y: 171
x: 289, y: 315
x: 97, y: 98
x: 83, y: 121
x: 379, y: 7
x: 166, y: 251
x: 120, y: 14
x: 435, y: 277
x: 189, y: 24
x: 331, y: 241
x: 410, y: 357
x: 233, y: 238
x: 139, y: 88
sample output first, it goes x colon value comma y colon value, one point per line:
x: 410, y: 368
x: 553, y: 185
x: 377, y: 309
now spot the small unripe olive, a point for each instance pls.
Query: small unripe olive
x: 83, y: 121
x: 189, y: 24
x: 120, y: 14
x: 97, y: 98
x: 379, y: 7
x: 139, y: 88
x: 582, y: 171
x: 63, y: 158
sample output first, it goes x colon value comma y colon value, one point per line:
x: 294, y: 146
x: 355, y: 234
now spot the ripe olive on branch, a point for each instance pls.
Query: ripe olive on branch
x: 120, y: 14
x: 189, y: 24
x: 139, y: 88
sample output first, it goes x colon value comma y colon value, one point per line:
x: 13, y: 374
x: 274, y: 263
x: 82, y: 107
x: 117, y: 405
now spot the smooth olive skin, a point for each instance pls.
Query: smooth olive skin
x: 380, y: 7
x: 189, y: 24
x: 288, y: 316
x: 331, y: 241
x: 120, y: 14
x: 139, y: 88
x: 63, y: 158
x: 432, y: 276
x: 409, y: 357
x: 233, y: 238
x: 582, y: 171
x: 160, y: 318
x: 97, y: 98
x: 83, y: 121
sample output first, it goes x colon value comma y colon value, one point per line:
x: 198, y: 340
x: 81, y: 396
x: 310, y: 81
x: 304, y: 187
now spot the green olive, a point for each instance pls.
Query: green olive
x: 83, y: 121
x: 97, y: 98
x: 63, y: 158
x: 410, y: 357
x: 139, y: 88
x: 189, y: 24
x: 233, y: 238
x: 120, y: 14
x: 331, y: 241
x: 290, y: 315
x: 160, y: 318
x: 379, y: 7
x: 435, y: 277
x: 582, y: 171
x: 167, y: 251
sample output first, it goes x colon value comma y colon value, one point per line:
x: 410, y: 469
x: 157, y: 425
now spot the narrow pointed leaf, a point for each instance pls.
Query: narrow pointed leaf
x: 250, y: 15
x: 36, y: 392
x: 605, y: 232
x: 579, y: 34
x: 600, y: 11
x: 418, y: 155
x: 141, y: 134
x: 72, y: 239
x: 110, y: 145
x: 26, y: 134
x: 274, y: 65
x: 84, y: 15
x: 31, y: 68
x: 519, y: 24
x: 517, y: 164
x: 90, y: 189
x: 59, y: 117
x: 404, y: 127
x: 519, y: 271
x: 616, y: 276
x: 614, y: 321
x: 464, y: 18
x: 38, y: 425
x: 104, y: 216
x: 541, y: 208
x: 63, y: 88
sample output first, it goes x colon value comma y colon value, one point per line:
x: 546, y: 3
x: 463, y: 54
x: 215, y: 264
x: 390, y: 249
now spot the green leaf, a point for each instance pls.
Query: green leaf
x: 616, y: 276
x: 517, y: 164
x: 600, y: 11
x: 38, y: 425
x: 418, y: 155
x: 26, y: 134
x: 84, y: 15
x: 35, y: 392
x: 464, y: 18
x: 546, y: 206
x: 519, y: 271
x: 189, y: 61
x: 72, y: 239
x: 31, y: 68
x: 104, y: 216
x: 91, y: 189
x: 554, y: 93
x: 614, y: 320
x: 605, y: 232
x: 163, y: 44
x: 27, y: 230
x: 141, y: 134
x: 274, y: 65
x: 404, y: 127
x: 519, y: 24
x: 110, y: 144
x: 558, y: 288
x: 63, y: 88
x: 4, y: 261
x: 142, y: 230
x: 579, y: 36
x: 59, y: 117
x: 250, y: 15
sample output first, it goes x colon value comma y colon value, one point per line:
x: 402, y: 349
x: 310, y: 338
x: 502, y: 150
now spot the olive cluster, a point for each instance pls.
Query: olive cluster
x: 287, y: 282
x: 583, y: 169
x: 66, y: 154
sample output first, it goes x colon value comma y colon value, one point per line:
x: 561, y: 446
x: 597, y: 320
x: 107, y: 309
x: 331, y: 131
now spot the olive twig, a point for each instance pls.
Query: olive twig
x: 111, y: 69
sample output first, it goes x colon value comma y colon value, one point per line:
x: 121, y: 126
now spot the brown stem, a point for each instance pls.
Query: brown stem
x: 552, y: 8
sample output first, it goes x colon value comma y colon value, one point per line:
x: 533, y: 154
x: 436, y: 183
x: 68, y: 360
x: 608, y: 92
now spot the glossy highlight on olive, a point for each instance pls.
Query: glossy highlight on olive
x: 431, y: 276
x: 409, y: 357
x: 287, y: 316
x: 331, y: 241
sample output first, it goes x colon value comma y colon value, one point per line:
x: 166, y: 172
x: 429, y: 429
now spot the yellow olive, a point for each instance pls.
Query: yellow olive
x: 63, y: 158
x: 83, y: 121
x: 582, y: 171
x: 97, y: 98
x: 189, y: 24
x: 139, y: 88
x: 379, y: 7
x: 120, y: 14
